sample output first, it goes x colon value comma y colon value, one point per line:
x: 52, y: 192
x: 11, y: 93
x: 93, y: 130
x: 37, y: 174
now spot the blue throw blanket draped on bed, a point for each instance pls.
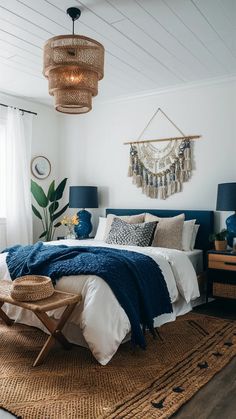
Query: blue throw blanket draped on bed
x: 135, y: 279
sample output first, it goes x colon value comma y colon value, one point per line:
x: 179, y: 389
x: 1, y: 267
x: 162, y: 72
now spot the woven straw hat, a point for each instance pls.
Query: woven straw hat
x: 32, y: 288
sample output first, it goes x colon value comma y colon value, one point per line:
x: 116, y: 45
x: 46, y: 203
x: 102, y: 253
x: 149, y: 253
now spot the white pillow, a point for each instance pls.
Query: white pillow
x: 194, y: 236
x: 187, y: 235
x: 100, y: 234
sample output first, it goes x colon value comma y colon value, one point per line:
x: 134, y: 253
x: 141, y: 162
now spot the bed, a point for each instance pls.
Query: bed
x: 99, y: 322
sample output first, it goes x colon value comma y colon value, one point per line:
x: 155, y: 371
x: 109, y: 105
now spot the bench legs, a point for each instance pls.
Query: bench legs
x: 5, y: 317
x: 54, y: 329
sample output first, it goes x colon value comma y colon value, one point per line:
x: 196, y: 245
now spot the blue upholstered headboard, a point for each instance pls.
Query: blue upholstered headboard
x: 204, y: 218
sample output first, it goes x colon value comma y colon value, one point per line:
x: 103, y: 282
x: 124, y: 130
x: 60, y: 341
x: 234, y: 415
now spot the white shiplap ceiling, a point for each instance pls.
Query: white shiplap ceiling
x: 150, y: 44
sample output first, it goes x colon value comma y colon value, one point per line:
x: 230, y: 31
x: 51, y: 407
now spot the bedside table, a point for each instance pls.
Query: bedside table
x: 221, y: 275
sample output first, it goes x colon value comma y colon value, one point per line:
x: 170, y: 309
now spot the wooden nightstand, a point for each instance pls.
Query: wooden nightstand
x: 221, y: 275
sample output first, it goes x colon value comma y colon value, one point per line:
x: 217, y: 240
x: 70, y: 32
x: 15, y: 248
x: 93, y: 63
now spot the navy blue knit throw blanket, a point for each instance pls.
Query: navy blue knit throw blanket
x: 135, y: 279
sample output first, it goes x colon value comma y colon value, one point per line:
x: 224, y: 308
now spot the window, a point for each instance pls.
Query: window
x: 2, y: 170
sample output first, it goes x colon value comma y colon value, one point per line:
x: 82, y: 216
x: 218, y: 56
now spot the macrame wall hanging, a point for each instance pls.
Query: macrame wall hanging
x: 161, y: 172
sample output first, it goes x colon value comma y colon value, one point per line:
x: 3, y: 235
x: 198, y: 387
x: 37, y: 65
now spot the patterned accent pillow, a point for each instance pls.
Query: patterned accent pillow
x: 131, y: 234
x: 131, y: 219
x: 168, y: 232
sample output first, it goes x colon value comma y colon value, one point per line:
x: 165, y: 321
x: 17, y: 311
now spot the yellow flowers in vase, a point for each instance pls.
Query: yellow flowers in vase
x: 70, y: 222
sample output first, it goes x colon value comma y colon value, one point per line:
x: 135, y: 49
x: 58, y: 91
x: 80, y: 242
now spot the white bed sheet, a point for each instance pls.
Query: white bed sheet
x: 196, y: 258
x: 99, y: 322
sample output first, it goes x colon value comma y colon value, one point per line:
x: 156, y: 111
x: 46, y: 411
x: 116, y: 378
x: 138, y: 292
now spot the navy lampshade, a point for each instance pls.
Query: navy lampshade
x: 83, y: 197
x: 226, y: 197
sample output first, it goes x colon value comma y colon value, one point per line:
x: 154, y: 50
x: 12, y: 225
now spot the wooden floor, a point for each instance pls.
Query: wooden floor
x: 217, y: 400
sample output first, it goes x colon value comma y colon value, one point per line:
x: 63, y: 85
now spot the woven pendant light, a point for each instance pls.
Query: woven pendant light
x: 73, y: 64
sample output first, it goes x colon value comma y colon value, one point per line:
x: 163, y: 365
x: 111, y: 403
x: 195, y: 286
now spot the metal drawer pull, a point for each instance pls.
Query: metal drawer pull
x: 230, y: 263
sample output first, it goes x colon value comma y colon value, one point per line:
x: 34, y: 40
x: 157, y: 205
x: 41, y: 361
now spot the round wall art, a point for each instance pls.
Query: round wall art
x: 40, y: 167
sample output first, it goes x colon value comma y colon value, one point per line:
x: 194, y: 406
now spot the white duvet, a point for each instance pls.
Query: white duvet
x: 102, y: 321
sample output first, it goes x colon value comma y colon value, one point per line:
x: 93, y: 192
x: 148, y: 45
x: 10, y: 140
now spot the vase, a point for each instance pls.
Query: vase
x: 231, y: 228
x: 84, y: 228
x: 71, y: 233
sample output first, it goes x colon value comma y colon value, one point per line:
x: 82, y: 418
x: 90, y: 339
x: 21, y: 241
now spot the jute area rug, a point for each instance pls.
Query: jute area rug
x: 140, y: 384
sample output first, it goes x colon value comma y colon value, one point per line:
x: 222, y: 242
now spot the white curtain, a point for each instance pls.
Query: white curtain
x: 18, y: 198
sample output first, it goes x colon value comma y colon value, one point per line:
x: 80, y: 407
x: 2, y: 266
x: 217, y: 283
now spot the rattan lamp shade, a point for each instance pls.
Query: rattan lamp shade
x: 73, y: 65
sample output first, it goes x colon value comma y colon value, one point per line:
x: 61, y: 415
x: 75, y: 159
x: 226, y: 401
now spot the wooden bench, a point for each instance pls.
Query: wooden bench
x: 40, y: 309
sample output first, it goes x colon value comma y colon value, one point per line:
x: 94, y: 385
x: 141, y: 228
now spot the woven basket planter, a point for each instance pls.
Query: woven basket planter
x: 220, y: 245
x: 32, y: 288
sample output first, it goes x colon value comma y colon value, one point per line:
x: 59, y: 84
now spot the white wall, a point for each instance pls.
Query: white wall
x: 92, y: 150
x: 89, y: 150
x: 45, y: 141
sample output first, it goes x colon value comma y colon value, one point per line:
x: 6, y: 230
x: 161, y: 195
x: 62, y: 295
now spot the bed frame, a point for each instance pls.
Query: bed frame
x: 204, y: 218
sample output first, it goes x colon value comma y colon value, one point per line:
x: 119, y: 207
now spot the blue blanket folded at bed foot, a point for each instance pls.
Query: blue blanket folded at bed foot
x: 135, y: 279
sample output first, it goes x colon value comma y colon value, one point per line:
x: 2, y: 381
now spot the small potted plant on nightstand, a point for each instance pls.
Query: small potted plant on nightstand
x: 219, y: 240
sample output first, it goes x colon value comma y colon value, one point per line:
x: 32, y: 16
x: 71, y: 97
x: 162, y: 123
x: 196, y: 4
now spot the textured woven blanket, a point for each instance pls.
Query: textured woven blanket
x: 135, y: 279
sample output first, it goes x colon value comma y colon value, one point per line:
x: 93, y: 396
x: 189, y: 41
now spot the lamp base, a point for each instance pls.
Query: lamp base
x: 231, y: 228
x: 84, y: 228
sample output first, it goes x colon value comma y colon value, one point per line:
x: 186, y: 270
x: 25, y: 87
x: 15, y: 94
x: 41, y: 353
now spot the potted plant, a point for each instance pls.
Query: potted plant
x: 219, y: 240
x: 49, y: 205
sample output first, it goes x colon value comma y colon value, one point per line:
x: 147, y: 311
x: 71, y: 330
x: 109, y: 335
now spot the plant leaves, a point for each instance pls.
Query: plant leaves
x: 53, y: 207
x: 43, y: 234
x: 57, y: 224
x: 221, y: 236
x: 60, y: 189
x: 36, y: 212
x: 51, y: 192
x: 39, y: 194
x: 59, y: 213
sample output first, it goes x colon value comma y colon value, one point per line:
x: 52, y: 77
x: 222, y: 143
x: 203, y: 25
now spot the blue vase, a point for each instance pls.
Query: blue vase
x: 231, y: 228
x: 84, y: 228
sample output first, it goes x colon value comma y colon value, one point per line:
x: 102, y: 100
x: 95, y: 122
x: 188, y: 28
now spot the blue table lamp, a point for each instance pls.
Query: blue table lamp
x: 226, y: 201
x: 83, y: 197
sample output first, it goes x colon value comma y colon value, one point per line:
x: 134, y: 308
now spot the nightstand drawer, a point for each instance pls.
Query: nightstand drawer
x: 224, y: 262
x: 226, y: 266
x: 224, y: 290
x: 221, y: 275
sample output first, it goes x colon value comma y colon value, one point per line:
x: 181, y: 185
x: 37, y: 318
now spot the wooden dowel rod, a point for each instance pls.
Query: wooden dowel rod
x: 186, y: 137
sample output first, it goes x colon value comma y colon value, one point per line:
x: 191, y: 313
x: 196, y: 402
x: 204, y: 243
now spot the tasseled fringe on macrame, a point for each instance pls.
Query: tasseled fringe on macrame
x: 130, y: 171
x: 161, y: 185
x: 187, y: 159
